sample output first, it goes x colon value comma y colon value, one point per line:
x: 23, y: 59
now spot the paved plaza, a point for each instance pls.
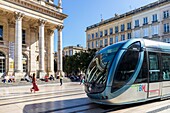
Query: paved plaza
x: 69, y: 98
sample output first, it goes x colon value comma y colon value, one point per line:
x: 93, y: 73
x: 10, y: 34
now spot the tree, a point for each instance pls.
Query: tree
x: 78, y: 62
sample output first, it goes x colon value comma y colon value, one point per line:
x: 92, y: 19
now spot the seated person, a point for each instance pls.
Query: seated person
x: 5, y: 79
x: 12, y: 78
x: 28, y: 78
x: 51, y: 77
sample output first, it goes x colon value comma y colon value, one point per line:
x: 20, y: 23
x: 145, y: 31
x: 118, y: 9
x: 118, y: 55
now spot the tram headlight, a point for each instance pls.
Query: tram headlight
x: 89, y: 89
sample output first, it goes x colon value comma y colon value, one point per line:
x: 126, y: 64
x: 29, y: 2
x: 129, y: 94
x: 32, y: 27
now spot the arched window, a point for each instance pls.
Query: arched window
x: 2, y: 63
x: 25, y: 62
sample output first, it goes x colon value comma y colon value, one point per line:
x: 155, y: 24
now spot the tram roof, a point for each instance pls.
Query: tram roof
x: 156, y: 44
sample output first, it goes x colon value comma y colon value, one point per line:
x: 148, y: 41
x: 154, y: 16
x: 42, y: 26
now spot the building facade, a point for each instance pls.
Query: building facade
x: 72, y: 50
x: 27, y: 36
x: 151, y: 21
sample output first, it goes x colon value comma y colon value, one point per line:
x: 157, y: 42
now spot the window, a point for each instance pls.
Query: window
x: 155, y: 29
x: 166, y: 14
x: 137, y: 33
x: 126, y: 67
x: 116, y: 39
x: 101, y: 33
x: 97, y: 43
x: 66, y: 53
x: 129, y: 25
x: 92, y: 35
x: 166, y: 28
x: 2, y: 63
x: 88, y: 44
x: 23, y: 36
x: 111, y: 31
x: 70, y: 52
x: 1, y: 32
x: 166, y: 66
x: 96, y: 34
x: 145, y: 21
x: 88, y: 36
x: 154, y: 18
x: 143, y: 75
x: 145, y: 32
x: 116, y: 29
x: 101, y: 43
x: 136, y: 23
x: 105, y: 32
x: 92, y: 45
x: 122, y: 27
x: 153, y: 67
x: 122, y: 37
x: 111, y: 40
x: 129, y: 36
x: 106, y: 42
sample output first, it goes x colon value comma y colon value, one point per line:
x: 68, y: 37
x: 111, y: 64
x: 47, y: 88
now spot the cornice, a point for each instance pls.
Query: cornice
x: 38, y: 8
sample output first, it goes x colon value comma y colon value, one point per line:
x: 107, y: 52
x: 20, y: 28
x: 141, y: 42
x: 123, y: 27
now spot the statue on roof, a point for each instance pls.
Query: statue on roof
x: 60, y: 3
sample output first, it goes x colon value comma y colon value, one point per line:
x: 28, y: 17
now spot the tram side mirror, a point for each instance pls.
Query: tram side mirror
x: 141, y: 49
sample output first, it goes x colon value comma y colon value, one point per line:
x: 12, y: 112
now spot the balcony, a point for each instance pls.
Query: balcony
x: 137, y: 26
x: 154, y: 21
x: 129, y: 28
x: 155, y: 36
x: 166, y: 32
x: 146, y: 37
x: 166, y: 17
x: 122, y: 30
x: 145, y: 24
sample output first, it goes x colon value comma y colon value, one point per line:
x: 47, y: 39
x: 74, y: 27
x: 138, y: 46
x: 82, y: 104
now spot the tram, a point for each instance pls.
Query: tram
x: 131, y: 71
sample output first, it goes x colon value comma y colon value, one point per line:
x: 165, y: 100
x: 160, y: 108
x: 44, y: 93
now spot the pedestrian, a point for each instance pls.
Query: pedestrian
x: 82, y: 77
x: 35, y: 87
x: 61, y: 78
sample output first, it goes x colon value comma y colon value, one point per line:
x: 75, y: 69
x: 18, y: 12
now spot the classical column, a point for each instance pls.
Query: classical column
x: 41, y: 48
x: 33, y: 58
x: 18, y: 43
x: 50, y: 52
x: 59, y: 54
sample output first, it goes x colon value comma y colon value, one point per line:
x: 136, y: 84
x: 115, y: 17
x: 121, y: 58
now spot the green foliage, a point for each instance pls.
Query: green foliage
x: 78, y: 62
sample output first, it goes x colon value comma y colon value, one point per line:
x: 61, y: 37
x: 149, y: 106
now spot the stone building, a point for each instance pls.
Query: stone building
x: 151, y: 21
x: 27, y: 36
x: 71, y: 50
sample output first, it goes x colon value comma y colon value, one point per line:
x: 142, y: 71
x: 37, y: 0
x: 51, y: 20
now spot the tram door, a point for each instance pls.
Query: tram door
x: 154, y: 75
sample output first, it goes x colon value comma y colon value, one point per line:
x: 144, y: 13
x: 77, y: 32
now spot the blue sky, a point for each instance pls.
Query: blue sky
x: 83, y: 13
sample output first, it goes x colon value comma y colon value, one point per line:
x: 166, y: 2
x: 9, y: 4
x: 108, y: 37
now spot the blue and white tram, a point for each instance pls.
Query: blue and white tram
x: 131, y: 71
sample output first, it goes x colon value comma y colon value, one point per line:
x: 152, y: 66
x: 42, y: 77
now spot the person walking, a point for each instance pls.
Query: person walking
x: 61, y: 78
x: 35, y: 87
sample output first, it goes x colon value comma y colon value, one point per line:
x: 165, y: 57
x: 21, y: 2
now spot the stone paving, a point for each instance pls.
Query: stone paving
x: 68, y: 98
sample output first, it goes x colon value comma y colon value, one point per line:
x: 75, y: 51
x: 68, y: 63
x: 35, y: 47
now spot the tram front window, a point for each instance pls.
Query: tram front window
x: 97, y: 72
x: 126, y: 66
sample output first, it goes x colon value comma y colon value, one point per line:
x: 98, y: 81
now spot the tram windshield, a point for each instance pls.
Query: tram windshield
x: 98, y: 69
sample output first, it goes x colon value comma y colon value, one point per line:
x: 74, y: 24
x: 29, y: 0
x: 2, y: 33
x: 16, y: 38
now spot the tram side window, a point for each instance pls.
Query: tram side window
x: 154, y: 69
x: 142, y: 77
x: 127, y: 67
x: 166, y: 67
